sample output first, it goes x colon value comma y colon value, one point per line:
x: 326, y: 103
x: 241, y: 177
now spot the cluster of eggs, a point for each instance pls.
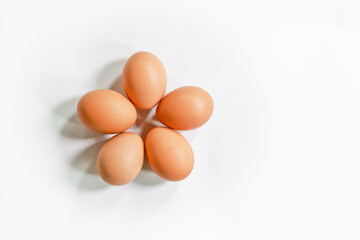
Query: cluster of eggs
x: 107, y: 111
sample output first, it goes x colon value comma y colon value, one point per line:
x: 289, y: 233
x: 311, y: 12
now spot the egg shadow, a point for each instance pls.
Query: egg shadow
x: 141, y: 116
x: 85, y: 162
x: 72, y: 127
x: 110, y: 77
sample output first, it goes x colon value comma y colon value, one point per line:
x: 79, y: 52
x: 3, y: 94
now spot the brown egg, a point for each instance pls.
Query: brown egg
x: 144, y: 79
x: 121, y: 158
x: 169, y: 154
x: 185, y: 108
x: 106, y: 111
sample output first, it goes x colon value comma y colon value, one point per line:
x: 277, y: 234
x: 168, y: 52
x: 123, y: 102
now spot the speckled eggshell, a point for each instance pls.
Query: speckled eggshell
x: 169, y: 154
x: 185, y: 108
x: 106, y: 111
x: 121, y: 158
x: 144, y: 79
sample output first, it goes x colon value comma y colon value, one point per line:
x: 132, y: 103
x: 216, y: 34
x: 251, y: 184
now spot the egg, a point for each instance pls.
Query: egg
x: 121, y: 158
x: 169, y: 154
x: 144, y: 79
x: 106, y: 111
x: 185, y: 108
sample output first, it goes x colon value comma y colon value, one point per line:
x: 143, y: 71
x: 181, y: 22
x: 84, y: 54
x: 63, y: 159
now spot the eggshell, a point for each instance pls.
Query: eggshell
x: 169, y: 154
x: 185, y: 108
x: 144, y: 79
x: 106, y: 111
x: 121, y: 158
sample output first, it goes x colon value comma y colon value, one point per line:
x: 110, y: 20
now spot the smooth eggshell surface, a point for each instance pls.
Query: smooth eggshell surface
x: 121, y: 158
x: 185, y: 108
x: 106, y: 111
x: 169, y: 154
x: 144, y: 79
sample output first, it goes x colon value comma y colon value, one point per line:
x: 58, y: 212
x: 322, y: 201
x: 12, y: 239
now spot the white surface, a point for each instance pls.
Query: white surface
x: 279, y: 159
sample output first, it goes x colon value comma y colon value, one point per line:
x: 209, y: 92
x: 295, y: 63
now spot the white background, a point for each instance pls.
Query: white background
x: 279, y: 159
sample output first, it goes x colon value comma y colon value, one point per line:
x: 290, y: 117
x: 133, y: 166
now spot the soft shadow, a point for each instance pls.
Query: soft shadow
x: 71, y: 124
x: 85, y: 162
x: 110, y: 77
x: 154, y: 118
x: 148, y: 178
x: 141, y: 116
x: 146, y: 128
